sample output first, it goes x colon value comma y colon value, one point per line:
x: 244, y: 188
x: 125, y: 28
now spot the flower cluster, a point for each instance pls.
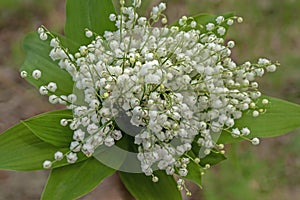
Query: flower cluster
x: 176, y: 84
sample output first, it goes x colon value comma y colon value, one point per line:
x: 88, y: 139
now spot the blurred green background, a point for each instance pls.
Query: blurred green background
x: 271, y: 29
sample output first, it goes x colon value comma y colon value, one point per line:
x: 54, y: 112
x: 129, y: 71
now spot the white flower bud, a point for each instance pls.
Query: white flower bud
x: 240, y: 20
x: 221, y: 30
x: 36, y: 74
x: 52, y: 87
x: 182, y: 172
x: 54, y: 43
x: 63, y: 100
x: 53, y: 99
x: 78, y: 135
x: 271, y: 68
x: 137, y: 3
x: 63, y: 122
x: 255, y: 141
x: 23, y: 74
x: 72, y: 98
x: 75, y: 146
x: 164, y: 20
x: 155, y: 179
x: 72, y: 157
x: 58, y: 156
x: 235, y: 132
x: 229, y: 22
x: 245, y: 131
x: 40, y: 30
x: 43, y: 36
x: 162, y: 6
x: 43, y: 90
x: 255, y: 113
x: 112, y: 17
x: 265, y: 101
x: 47, y: 164
x: 193, y: 24
x: 88, y: 33
x: 219, y: 19
x: 210, y: 26
x: 230, y: 44
x: 122, y: 2
x: 109, y: 141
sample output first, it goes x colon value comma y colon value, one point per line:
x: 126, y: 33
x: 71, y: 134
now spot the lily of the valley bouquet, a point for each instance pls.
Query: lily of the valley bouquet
x: 150, y: 100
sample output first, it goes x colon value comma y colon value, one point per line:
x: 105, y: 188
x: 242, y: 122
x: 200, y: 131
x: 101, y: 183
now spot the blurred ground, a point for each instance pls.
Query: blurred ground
x: 271, y: 28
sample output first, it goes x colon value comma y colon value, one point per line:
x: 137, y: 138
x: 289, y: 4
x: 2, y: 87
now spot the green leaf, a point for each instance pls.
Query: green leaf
x: 143, y: 188
x: 37, y: 57
x: 212, y: 159
x: 124, y: 153
x: 91, y: 14
x: 280, y: 118
x: 73, y: 181
x: 194, y: 170
x: 21, y: 150
x: 194, y: 173
x: 47, y: 127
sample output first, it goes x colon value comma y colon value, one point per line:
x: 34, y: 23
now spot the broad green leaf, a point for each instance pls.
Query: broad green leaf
x: 37, y: 57
x: 212, y: 159
x: 70, y: 45
x: 124, y: 153
x: 194, y: 173
x: 195, y: 170
x: 105, y: 154
x: 280, y: 118
x: 91, y: 14
x: 143, y: 188
x: 120, y: 152
x: 73, y: 181
x: 47, y: 127
x: 21, y: 150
